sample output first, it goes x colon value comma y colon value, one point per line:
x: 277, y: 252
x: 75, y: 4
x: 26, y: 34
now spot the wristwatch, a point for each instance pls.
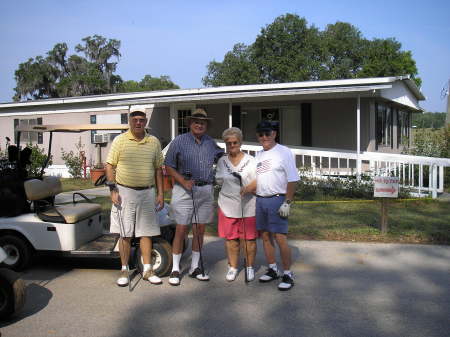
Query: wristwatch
x: 112, y: 185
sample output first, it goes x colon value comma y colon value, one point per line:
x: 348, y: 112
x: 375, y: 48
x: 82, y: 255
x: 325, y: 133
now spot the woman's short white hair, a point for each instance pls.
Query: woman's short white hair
x: 236, y: 132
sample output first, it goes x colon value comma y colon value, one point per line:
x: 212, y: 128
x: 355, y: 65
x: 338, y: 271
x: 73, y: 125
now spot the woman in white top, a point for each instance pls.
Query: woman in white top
x: 236, y: 173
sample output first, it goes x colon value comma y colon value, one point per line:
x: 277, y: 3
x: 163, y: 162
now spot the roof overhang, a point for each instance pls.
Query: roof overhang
x: 369, y: 90
x: 344, y: 88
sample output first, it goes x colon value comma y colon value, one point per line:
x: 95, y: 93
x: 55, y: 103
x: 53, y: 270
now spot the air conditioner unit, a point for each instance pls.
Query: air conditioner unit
x: 101, y: 138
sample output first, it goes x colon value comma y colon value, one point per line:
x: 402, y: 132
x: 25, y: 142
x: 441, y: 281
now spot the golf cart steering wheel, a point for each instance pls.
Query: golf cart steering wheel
x: 101, y: 180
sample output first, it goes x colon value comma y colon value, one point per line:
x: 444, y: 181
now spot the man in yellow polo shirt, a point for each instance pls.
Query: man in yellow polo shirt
x: 133, y: 169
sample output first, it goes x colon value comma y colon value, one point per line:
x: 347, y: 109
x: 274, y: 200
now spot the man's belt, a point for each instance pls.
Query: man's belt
x: 271, y: 196
x: 137, y: 188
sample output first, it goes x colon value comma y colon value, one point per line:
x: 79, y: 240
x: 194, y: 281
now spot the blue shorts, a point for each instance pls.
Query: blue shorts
x: 267, y: 217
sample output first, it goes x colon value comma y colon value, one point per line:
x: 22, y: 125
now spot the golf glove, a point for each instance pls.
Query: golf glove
x: 284, y: 210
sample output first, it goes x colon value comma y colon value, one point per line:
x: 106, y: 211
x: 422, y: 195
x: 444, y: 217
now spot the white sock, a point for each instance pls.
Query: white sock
x: 147, y: 267
x: 176, y: 258
x: 273, y: 266
x: 124, y: 268
x: 288, y: 272
x: 195, y: 259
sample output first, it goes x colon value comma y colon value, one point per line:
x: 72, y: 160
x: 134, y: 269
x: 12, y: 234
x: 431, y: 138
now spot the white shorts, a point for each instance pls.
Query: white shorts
x: 181, y: 210
x: 137, y: 212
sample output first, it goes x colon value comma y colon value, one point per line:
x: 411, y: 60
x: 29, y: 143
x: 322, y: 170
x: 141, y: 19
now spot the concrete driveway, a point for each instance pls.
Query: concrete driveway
x: 342, y: 289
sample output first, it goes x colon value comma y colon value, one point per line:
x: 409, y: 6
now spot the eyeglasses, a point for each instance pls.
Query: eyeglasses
x: 265, y: 133
x: 138, y: 120
x: 231, y: 143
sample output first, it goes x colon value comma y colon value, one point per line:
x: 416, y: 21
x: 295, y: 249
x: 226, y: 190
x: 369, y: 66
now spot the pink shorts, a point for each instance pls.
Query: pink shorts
x: 232, y: 228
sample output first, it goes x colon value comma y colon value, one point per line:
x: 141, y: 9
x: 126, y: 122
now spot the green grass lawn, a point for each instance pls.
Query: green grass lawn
x: 416, y: 221
x: 73, y: 184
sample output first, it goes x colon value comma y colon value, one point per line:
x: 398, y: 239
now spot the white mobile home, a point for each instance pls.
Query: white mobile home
x: 345, y: 119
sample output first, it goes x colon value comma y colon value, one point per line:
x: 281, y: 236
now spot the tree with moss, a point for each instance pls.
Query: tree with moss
x: 60, y: 75
x: 148, y: 83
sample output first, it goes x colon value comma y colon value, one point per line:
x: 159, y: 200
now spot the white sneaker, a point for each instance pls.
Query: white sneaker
x: 287, y: 282
x: 231, y: 274
x: 174, y: 278
x: 198, y: 274
x: 151, y: 277
x: 250, y: 274
x: 270, y: 275
x: 122, y: 281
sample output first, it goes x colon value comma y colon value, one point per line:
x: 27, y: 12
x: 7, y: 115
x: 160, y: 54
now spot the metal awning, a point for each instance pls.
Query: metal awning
x: 252, y: 94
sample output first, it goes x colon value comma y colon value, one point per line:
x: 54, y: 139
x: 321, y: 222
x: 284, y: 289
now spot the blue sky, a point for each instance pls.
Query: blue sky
x: 179, y: 38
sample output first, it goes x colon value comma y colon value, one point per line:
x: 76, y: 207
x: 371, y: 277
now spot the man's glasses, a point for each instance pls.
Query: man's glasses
x: 265, y: 133
x: 231, y: 143
x: 138, y: 120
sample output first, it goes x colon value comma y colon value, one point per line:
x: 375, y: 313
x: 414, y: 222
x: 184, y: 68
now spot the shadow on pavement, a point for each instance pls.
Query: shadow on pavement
x: 37, y: 298
x: 350, y: 291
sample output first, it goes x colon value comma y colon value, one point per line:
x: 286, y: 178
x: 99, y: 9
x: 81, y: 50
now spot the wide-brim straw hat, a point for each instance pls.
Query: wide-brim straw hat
x: 198, y: 114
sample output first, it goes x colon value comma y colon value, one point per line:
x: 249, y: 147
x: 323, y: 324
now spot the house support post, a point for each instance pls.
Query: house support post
x: 441, y: 179
x: 435, y: 181
x: 358, y: 138
x: 173, y: 121
x: 230, y: 114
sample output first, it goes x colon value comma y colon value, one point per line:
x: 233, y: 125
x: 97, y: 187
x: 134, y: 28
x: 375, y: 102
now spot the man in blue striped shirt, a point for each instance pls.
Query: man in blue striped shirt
x: 190, y: 161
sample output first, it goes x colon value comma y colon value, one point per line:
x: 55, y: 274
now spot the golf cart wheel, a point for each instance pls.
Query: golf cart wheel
x: 18, y: 250
x: 12, y: 293
x: 161, y: 257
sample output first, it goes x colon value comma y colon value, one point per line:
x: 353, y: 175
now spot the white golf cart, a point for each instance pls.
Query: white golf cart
x: 74, y: 229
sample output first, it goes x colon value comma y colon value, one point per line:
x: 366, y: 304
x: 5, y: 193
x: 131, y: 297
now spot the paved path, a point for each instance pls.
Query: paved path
x: 342, y: 289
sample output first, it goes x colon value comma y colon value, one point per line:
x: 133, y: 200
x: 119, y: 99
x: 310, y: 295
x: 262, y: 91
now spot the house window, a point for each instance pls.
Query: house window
x: 93, y: 119
x: 29, y: 137
x: 182, y: 126
x: 403, y: 120
x: 236, y: 116
x: 384, y: 124
x: 124, y: 118
x: 306, y: 124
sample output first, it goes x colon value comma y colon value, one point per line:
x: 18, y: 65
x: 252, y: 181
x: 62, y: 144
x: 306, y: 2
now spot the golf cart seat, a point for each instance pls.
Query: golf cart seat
x: 42, y: 193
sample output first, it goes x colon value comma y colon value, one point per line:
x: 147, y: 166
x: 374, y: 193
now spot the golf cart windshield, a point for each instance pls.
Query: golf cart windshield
x: 70, y: 127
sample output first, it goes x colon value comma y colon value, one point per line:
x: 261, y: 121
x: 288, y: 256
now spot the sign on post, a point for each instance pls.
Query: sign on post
x: 384, y: 188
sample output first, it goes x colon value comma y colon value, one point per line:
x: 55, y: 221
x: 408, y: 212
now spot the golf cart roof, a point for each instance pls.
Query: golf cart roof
x: 70, y: 127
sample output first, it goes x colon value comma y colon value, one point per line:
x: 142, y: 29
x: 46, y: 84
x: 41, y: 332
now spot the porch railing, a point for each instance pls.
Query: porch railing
x: 421, y: 174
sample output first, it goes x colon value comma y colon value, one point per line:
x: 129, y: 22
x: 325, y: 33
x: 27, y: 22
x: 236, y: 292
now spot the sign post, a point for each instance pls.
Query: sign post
x: 385, y: 188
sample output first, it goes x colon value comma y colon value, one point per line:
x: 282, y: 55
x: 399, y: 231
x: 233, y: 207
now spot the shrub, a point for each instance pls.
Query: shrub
x: 73, y: 161
x: 430, y: 143
x: 433, y: 143
x: 337, y: 188
x: 38, y: 158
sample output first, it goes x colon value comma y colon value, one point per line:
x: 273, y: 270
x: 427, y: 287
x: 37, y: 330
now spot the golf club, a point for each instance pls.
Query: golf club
x: 188, y: 176
x: 122, y: 235
x: 237, y: 175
